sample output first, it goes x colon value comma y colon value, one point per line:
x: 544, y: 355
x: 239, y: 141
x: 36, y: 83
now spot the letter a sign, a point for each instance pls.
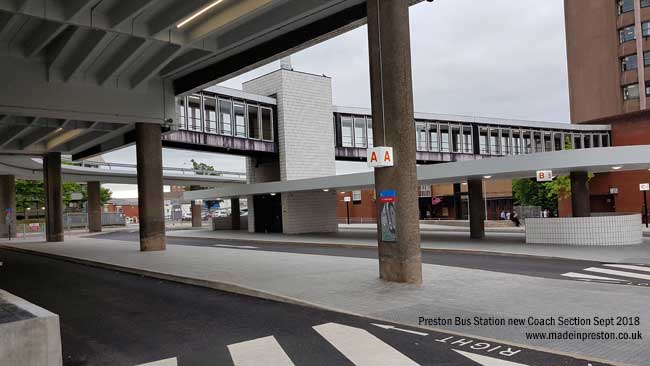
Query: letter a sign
x: 381, y: 156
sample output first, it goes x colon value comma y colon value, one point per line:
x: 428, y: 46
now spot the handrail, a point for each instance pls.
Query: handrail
x: 183, y: 171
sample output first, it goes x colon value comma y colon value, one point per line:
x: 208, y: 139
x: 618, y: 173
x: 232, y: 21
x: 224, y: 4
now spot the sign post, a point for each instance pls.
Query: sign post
x: 347, y: 208
x: 645, y: 187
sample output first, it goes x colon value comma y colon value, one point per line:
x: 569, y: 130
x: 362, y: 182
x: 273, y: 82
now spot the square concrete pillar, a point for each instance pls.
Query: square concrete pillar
x: 235, y: 214
x: 476, y: 209
x: 197, y: 220
x: 151, y: 208
x: 580, y: 201
x: 7, y: 206
x: 94, y: 207
x: 391, y: 93
x: 53, y: 197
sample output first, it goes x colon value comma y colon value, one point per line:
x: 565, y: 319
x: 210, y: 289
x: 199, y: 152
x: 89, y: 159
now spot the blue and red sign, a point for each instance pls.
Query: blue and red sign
x: 387, y: 196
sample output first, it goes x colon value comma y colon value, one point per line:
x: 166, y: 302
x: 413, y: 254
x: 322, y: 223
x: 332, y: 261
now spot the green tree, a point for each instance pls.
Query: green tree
x: 529, y: 192
x: 202, y: 168
x: 30, y: 193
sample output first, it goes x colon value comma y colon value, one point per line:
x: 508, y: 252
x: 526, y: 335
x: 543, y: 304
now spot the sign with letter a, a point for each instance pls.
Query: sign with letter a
x: 380, y: 156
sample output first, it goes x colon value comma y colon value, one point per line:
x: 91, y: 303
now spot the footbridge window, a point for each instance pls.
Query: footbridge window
x: 434, y: 141
x: 239, y: 110
x: 194, y: 112
x: 267, y: 123
x: 360, y: 138
x: 346, y: 132
x: 210, y: 113
x: 254, y: 131
x: 225, y: 116
x: 421, y: 136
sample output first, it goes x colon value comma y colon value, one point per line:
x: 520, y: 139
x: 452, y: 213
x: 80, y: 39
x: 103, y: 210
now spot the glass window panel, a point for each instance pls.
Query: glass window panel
x: 629, y: 62
x: 182, y: 120
x: 537, y: 140
x: 225, y: 116
x: 444, y: 138
x: 605, y: 139
x: 516, y: 142
x: 253, y: 122
x: 360, y: 139
x: 626, y: 34
x: 625, y: 5
x: 577, y: 141
x: 645, y: 29
x: 506, y: 142
x: 346, y: 132
x: 484, y: 141
x: 240, y: 119
x: 421, y: 136
x: 644, y: 3
x: 356, y: 196
x: 557, y: 141
x: 568, y: 141
x: 433, y: 137
x: 548, y: 143
x: 495, y: 146
x: 456, y: 141
x: 210, y: 114
x: 194, y: 112
x: 468, y: 144
x: 267, y: 124
x: 528, y: 142
x: 371, y: 140
x: 586, y: 141
x: 595, y: 140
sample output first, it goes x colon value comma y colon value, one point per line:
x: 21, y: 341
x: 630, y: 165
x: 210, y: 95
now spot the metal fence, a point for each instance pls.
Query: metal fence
x: 357, y: 220
x: 80, y: 219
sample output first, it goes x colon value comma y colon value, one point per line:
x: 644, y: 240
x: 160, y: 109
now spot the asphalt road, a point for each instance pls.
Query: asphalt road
x: 555, y: 268
x: 114, y: 318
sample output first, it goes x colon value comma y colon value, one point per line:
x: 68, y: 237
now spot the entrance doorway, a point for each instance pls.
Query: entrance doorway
x: 268, y: 213
x: 603, y: 203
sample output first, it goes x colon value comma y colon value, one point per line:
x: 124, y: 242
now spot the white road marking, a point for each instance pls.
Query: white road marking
x: 617, y: 273
x: 261, y: 351
x: 588, y: 277
x: 629, y: 266
x: 235, y: 246
x: 488, y: 361
x: 389, y: 327
x: 361, y: 347
x: 167, y: 362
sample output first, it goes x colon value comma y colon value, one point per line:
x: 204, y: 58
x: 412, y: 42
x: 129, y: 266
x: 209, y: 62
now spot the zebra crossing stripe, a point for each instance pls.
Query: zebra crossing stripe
x: 488, y: 361
x: 361, y: 347
x: 618, y: 273
x: 261, y: 351
x: 629, y: 266
x: 167, y: 362
x: 583, y: 276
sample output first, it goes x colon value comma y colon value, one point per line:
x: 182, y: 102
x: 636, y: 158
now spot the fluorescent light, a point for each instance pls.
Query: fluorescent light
x: 487, y: 176
x: 617, y: 167
x: 208, y: 7
x: 273, y: 194
x: 326, y: 189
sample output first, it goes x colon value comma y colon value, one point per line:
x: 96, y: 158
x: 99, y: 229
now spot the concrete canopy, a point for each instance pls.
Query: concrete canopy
x: 77, y: 74
x: 521, y: 166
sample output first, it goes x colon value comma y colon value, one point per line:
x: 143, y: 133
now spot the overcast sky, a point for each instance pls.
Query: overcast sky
x: 496, y: 58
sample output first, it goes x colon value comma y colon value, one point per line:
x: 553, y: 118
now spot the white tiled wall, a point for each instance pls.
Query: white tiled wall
x: 595, y: 230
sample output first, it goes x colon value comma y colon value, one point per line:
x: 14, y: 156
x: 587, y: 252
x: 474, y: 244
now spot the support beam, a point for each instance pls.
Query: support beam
x: 125, y: 10
x: 7, y: 206
x: 42, y: 37
x: 476, y: 209
x: 458, y: 202
x: 94, y: 207
x: 53, y: 197
x: 392, y: 117
x: 131, y: 50
x: 235, y: 214
x: 152, y: 66
x: 196, y: 210
x: 91, y: 45
x: 580, y: 201
x: 150, y: 186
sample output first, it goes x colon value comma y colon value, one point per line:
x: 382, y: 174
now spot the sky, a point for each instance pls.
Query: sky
x: 497, y: 58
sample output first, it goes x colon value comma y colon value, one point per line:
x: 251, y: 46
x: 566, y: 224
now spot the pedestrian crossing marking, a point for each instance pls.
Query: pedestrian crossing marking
x: 618, y: 273
x: 629, y: 266
x: 488, y: 361
x: 361, y: 347
x: 583, y: 276
x: 249, y: 353
x: 166, y: 362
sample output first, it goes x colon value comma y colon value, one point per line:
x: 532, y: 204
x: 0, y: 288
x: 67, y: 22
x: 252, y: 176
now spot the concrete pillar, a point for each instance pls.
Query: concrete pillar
x: 235, y: 214
x: 197, y: 220
x: 150, y: 186
x: 391, y: 93
x: 476, y: 209
x: 458, y: 202
x: 7, y: 206
x: 94, y: 207
x: 53, y: 197
x: 580, y: 203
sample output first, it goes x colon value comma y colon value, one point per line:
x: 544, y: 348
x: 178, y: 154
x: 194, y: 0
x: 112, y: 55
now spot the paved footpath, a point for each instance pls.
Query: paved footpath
x: 351, y: 285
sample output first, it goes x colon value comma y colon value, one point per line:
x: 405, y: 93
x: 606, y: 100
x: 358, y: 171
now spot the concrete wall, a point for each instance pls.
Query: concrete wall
x: 595, y: 230
x: 306, y: 146
x: 33, y: 338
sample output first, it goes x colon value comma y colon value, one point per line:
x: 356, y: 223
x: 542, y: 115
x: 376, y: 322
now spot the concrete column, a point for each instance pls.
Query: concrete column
x: 150, y: 186
x: 196, y: 210
x: 235, y: 214
x: 391, y: 93
x: 458, y: 202
x: 580, y: 203
x: 476, y: 209
x: 94, y: 207
x: 7, y: 206
x: 53, y: 197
